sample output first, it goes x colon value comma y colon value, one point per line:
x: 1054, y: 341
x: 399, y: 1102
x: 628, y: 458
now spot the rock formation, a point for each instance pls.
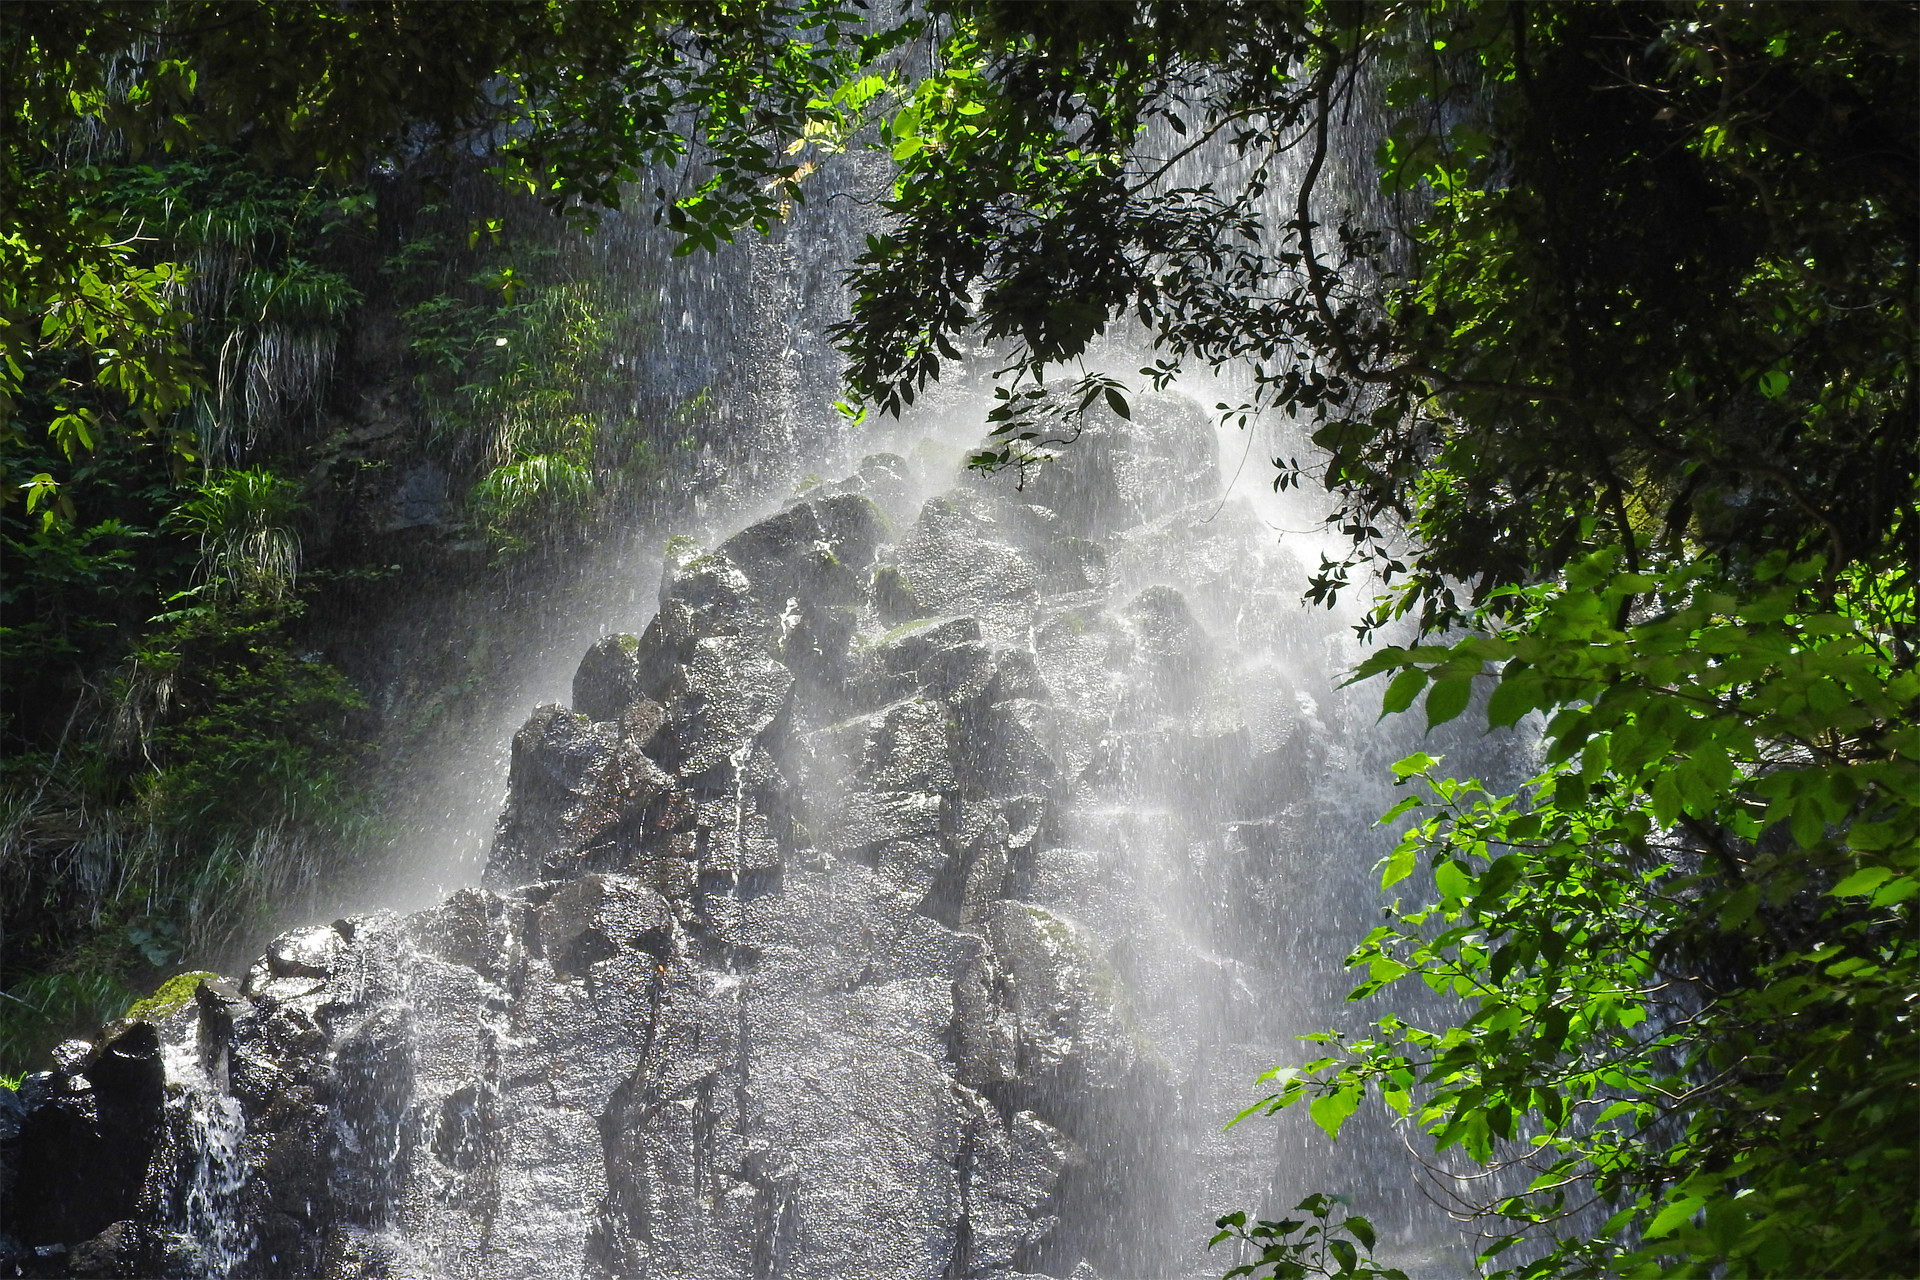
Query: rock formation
x: 866, y: 916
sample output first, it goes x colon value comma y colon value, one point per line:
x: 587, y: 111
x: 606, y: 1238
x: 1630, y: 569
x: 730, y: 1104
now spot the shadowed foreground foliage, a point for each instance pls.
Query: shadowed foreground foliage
x: 1609, y: 353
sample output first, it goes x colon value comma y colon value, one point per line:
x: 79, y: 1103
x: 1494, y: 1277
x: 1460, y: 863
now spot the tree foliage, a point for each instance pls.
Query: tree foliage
x: 1643, y: 264
x: 195, y: 224
x: 1616, y: 372
x: 1685, y: 948
x: 718, y: 109
x: 185, y: 756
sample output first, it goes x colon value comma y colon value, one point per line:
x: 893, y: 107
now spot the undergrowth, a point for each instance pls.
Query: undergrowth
x: 185, y: 764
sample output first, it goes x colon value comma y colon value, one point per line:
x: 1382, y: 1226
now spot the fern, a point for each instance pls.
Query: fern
x: 532, y: 495
x: 248, y: 542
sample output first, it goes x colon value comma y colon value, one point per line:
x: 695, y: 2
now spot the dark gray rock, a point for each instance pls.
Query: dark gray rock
x: 1172, y: 655
x: 561, y: 789
x: 893, y: 599
x: 869, y: 821
x: 1009, y: 1179
x: 85, y: 1139
x: 905, y: 649
x: 122, y: 1249
x: 884, y: 479
x: 904, y: 746
x: 70, y: 1056
x: 815, y: 549
x: 1008, y: 747
x: 963, y: 556
x: 305, y: 953
x: 816, y: 644
x: 607, y: 681
x: 730, y: 693
x: 369, y: 1094
x: 585, y: 795
x: 598, y: 917
x: 702, y: 595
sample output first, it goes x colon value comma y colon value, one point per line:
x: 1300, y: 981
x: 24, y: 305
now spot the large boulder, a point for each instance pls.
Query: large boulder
x: 964, y: 556
x: 873, y: 914
x: 729, y: 692
x: 1120, y: 472
x: 585, y: 795
x: 884, y: 479
x: 607, y: 681
x: 86, y: 1134
x: 702, y: 594
x: 817, y: 550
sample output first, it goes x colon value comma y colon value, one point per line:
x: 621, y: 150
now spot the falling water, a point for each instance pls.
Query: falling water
x: 742, y: 330
x: 214, y: 1170
x: 199, y: 1170
x: 918, y: 896
x: 916, y: 891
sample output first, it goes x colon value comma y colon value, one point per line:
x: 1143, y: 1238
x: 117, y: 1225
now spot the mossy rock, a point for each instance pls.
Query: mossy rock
x: 169, y: 997
x: 893, y: 595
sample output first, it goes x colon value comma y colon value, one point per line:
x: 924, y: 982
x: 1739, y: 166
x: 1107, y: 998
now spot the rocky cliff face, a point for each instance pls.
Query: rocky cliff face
x: 870, y: 915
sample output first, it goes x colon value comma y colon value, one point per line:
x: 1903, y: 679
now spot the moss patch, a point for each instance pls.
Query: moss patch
x: 906, y: 629
x: 171, y: 995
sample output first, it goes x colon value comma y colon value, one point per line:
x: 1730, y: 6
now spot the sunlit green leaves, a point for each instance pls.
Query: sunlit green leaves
x: 1708, y: 765
x: 1683, y: 516
x: 1447, y: 699
x: 574, y: 103
x: 1405, y: 687
x: 1314, y: 1244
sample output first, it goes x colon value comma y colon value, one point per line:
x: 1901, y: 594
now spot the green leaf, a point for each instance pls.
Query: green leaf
x: 1448, y: 699
x: 1675, y: 1215
x: 1402, y: 691
x: 1418, y: 762
x: 1862, y: 882
x: 1118, y: 403
x: 1897, y: 890
x: 1512, y: 698
x: 1739, y: 907
x: 1384, y: 969
x: 1485, y: 648
x: 1497, y: 879
x: 1666, y: 799
x: 1382, y: 660
x: 1399, y: 865
x: 1410, y: 802
x: 1330, y: 1110
x: 1808, y: 822
x: 1452, y: 880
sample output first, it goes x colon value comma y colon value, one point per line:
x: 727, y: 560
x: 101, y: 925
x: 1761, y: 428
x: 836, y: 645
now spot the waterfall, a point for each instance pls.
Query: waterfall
x: 208, y: 1170
x: 912, y: 886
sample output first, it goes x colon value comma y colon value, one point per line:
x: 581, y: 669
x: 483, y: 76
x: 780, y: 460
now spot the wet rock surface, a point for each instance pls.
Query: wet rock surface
x: 817, y: 940
x: 83, y: 1135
